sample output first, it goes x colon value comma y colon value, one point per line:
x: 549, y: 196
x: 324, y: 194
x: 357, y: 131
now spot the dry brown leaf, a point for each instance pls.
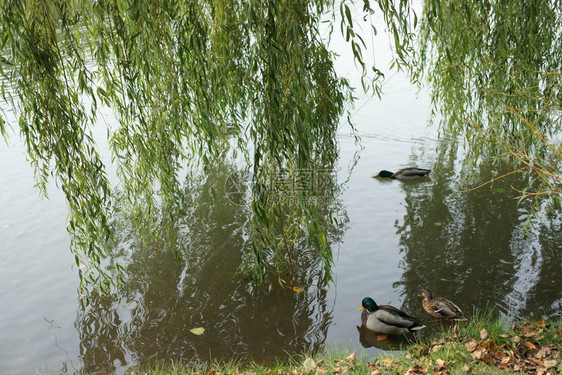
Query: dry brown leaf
x: 375, y: 372
x: 387, y: 362
x: 440, y: 364
x: 543, y: 352
x: 530, y: 345
x: 351, y: 359
x: 339, y: 370
x: 549, y: 363
x: 436, y: 348
x: 212, y: 372
x: 483, y: 334
x: 417, y: 370
x: 456, y: 330
x: 479, y: 353
x: 466, y: 368
x: 471, y: 346
x: 321, y: 370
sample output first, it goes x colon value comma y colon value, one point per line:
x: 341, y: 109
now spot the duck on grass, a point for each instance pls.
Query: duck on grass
x: 440, y: 307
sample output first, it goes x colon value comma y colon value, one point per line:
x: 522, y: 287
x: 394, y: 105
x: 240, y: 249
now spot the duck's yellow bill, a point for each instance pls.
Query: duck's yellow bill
x: 361, y: 308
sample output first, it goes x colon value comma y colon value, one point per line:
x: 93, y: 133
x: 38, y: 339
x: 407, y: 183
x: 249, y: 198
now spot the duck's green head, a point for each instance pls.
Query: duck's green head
x: 384, y: 173
x: 369, y: 304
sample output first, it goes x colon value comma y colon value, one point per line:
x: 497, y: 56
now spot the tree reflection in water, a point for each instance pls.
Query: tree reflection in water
x: 151, y: 318
x: 475, y: 247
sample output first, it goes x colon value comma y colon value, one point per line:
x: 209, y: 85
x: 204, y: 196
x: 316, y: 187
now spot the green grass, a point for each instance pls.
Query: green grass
x: 482, y: 346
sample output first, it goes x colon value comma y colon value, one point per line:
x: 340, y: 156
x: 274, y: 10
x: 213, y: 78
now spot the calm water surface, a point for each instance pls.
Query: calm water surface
x: 397, y: 238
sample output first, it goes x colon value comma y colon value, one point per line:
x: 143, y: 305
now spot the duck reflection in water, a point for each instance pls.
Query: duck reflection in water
x: 371, y: 339
x: 387, y: 319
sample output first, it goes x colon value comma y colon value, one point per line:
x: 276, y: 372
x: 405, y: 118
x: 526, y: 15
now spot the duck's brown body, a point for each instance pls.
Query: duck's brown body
x: 440, y: 307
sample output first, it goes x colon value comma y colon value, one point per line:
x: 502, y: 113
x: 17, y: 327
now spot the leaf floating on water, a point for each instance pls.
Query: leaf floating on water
x: 296, y: 289
x: 82, y: 266
x: 5, y: 226
x: 438, y: 224
x: 197, y: 331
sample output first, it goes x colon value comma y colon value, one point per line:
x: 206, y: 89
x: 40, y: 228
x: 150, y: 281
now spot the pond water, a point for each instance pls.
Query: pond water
x: 398, y: 238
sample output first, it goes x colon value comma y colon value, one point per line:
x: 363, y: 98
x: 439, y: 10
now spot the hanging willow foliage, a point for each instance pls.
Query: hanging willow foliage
x: 495, y: 69
x: 190, y: 82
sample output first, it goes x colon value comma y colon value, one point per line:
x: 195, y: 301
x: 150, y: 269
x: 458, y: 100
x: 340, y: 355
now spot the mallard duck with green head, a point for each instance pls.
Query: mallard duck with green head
x: 387, y: 319
x: 440, y: 307
x: 405, y: 174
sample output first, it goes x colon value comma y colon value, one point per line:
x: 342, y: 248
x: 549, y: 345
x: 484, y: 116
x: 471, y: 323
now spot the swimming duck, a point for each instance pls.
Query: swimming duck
x: 387, y: 319
x: 405, y: 174
x: 440, y: 307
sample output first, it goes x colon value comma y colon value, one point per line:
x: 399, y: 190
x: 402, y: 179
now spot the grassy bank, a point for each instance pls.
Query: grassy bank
x: 482, y: 346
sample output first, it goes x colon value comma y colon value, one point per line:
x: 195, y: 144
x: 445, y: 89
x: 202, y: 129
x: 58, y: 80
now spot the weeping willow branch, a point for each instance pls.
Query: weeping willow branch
x: 192, y: 83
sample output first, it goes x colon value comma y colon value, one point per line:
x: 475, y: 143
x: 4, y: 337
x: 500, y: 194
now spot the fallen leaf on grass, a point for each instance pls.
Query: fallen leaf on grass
x: 550, y: 363
x: 387, y: 362
x: 436, y: 348
x: 439, y: 364
x: 417, y: 370
x: 339, y: 370
x: 309, y: 365
x: 530, y: 346
x: 197, y: 331
x: 351, y: 359
x: 505, y: 361
x: 483, y: 334
x: 471, y: 346
x: 544, y: 352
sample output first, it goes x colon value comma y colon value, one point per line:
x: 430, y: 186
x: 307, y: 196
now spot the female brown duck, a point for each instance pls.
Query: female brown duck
x: 440, y: 307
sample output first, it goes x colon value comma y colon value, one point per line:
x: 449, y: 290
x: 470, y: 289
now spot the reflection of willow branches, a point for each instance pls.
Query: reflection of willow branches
x: 151, y: 317
x: 302, y: 218
x: 472, y: 246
